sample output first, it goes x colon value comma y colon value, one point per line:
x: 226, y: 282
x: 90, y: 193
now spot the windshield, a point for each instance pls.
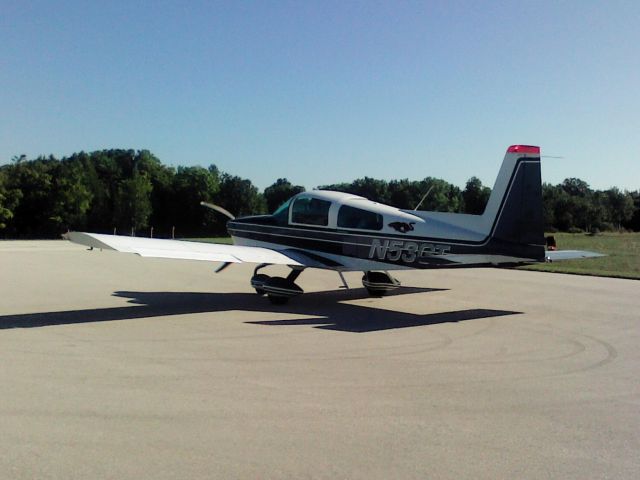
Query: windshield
x: 282, y: 208
x: 281, y: 215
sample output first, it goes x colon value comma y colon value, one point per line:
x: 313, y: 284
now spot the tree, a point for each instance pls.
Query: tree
x: 442, y: 196
x: 9, y: 199
x: 278, y: 193
x: 71, y: 197
x: 367, y: 187
x: 162, y: 201
x: 620, y: 206
x: 132, y: 188
x: 405, y: 193
x: 338, y: 187
x: 239, y: 196
x: 371, y: 188
x: 634, y: 222
x: 475, y: 196
x: 595, y: 212
x: 132, y: 206
x: 192, y: 185
x: 34, y: 214
x: 573, y: 205
x: 549, y: 193
x: 556, y: 207
x: 576, y: 187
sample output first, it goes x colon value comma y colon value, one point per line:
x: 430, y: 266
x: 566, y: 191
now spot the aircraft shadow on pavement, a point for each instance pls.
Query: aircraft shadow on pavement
x: 326, y: 307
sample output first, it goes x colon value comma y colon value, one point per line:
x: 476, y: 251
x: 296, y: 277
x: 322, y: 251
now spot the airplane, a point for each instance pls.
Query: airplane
x: 344, y: 232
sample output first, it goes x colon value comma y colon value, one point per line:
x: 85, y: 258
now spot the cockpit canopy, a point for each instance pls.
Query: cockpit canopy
x: 337, y: 210
x: 308, y: 210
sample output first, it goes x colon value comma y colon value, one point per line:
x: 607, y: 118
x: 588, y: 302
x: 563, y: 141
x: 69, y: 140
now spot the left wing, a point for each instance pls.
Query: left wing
x: 184, y: 250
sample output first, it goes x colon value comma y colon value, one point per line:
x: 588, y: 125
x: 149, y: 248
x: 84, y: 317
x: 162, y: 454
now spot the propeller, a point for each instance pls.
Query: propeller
x: 225, y: 212
x: 218, y: 209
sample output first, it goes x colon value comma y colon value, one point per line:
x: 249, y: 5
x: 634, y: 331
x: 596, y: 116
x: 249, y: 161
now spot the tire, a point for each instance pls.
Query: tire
x: 257, y: 281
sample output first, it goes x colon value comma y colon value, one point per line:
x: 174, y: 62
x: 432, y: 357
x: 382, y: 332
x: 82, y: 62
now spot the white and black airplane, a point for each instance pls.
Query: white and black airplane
x: 344, y: 232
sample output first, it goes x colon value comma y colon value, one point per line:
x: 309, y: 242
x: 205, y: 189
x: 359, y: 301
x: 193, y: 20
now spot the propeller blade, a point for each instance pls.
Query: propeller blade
x: 222, y: 267
x: 218, y: 209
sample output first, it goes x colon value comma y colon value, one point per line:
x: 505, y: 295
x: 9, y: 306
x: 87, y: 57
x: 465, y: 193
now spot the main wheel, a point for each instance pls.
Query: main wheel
x: 257, y: 281
x: 378, y: 284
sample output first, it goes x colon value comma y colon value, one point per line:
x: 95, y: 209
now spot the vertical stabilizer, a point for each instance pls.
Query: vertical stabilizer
x: 514, y: 208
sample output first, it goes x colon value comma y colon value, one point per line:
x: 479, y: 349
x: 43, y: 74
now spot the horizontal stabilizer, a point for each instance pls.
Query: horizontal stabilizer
x: 556, y: 255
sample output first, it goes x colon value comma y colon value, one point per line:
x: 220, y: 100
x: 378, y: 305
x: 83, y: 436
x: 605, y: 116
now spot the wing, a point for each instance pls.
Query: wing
x: 212, y: 252
x: 555, y: 255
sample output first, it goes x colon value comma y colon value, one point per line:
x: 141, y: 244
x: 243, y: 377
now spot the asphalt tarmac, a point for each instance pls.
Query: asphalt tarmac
x: 115, y: 366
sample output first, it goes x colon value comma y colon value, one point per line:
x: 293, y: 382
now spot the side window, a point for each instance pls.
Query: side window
x: 350, y: 217
x: 310, y: 211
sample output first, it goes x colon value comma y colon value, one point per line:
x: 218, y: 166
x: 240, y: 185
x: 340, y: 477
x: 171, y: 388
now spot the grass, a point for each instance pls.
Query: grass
x: 622, y: 260
x: 622, y: 250
x: 224, y: 240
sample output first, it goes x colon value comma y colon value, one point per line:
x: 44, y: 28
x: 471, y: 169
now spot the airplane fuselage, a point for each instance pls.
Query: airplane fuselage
x: 389, y: 249
x: 345, y: 231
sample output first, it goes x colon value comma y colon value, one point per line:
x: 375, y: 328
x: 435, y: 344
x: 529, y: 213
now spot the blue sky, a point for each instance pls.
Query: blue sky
x: 321, y: 92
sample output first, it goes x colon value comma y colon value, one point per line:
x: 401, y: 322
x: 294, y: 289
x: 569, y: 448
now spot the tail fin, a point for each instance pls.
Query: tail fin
x: 514, y: 208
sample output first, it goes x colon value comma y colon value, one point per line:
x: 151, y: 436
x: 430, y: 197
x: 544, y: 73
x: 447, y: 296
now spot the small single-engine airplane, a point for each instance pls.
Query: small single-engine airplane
x: 344, y: 232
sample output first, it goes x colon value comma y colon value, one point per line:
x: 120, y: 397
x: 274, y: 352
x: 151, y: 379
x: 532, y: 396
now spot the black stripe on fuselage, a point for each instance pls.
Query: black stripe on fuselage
x: 404, y: 252
x: 362, y: 249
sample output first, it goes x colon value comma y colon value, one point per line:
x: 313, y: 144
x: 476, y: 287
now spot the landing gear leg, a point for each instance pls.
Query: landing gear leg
x: 344, y: 281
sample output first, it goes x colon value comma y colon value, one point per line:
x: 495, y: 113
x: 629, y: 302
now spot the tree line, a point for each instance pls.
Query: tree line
x: 132, y: 192
x: 123, y: 191
x: 571, y: 206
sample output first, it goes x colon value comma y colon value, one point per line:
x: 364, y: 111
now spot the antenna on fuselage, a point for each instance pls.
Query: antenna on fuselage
x: 423, y: 197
